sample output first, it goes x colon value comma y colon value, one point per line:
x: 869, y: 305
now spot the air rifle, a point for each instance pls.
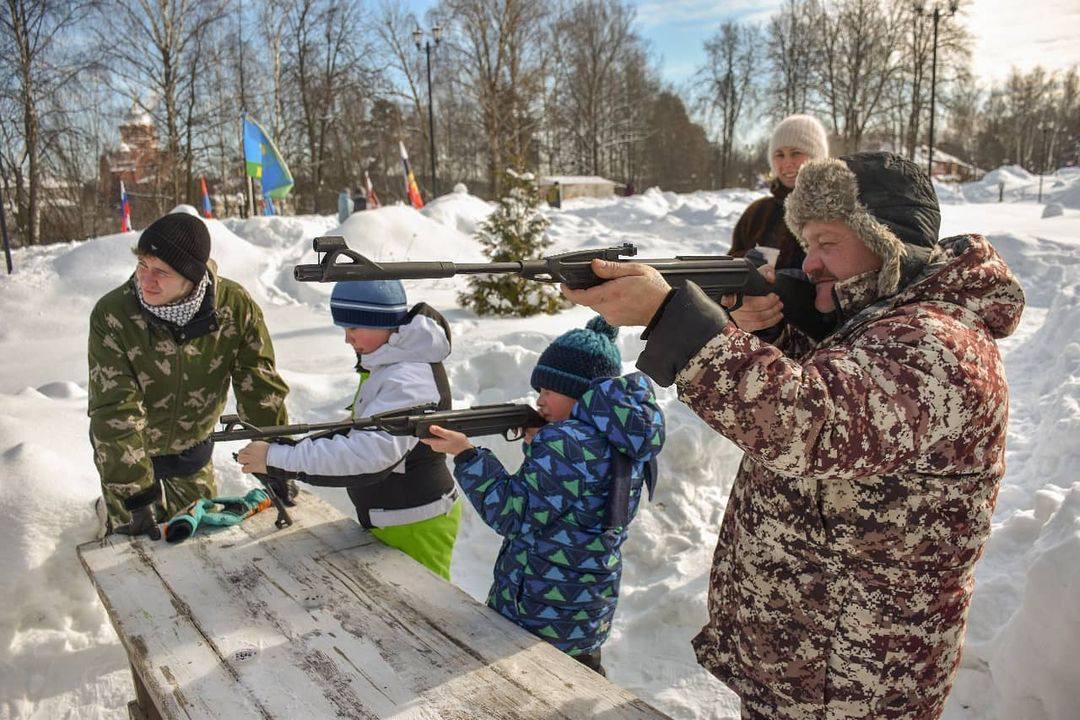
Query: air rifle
x: 506, y: 419
x: 717, y: 275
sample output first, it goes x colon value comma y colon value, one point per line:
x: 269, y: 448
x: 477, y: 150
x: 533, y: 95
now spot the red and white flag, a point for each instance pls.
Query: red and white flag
x: 372, y: 198
x: 411, y: 188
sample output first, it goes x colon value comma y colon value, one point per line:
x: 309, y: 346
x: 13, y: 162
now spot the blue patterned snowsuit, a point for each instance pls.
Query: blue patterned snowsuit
x: 558, y: 572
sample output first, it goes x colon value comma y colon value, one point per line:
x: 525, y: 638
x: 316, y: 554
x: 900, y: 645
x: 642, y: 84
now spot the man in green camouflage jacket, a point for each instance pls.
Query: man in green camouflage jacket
x: 163, y: 349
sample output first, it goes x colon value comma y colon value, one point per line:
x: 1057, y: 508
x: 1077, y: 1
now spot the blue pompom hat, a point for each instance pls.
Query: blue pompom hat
x: 576, y: 358
x: 369, y: 303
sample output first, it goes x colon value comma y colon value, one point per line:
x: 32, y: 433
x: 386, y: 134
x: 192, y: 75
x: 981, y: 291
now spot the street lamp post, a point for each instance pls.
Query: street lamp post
x: 426, y: 45
x: 1045, y: 127
x: 936, y: 15
x: 4, y: 234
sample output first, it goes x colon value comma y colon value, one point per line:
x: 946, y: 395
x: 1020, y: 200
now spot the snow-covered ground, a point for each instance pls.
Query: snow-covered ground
x: 59, y: 657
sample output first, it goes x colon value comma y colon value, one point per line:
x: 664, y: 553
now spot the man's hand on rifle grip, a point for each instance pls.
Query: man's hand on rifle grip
x: 756, y: 313
x: 631, y: 296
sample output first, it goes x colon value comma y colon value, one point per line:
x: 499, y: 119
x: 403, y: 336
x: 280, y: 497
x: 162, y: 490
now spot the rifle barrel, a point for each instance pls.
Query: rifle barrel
x: 488, y: 267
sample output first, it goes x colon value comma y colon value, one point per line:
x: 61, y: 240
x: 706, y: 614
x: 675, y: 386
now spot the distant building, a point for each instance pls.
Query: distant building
x: 577, y: 186
x: 948, y: 168
x: 137, y: 161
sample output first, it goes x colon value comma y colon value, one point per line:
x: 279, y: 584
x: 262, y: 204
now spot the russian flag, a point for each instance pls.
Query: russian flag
x: 125, y: 210
x: 206, y: 210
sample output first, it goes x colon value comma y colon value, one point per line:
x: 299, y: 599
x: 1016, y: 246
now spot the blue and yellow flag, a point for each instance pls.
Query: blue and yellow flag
x: 264, y: 163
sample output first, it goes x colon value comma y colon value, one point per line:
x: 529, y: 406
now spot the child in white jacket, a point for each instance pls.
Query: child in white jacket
x: 401, y: 488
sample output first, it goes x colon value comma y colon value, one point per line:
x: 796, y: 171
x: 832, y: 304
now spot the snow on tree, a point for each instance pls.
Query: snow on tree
x: 514, y: 231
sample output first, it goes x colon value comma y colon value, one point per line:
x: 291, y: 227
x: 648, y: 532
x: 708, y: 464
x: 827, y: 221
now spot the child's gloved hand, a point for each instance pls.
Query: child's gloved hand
x: 253, y: 457
x: 447, y: 441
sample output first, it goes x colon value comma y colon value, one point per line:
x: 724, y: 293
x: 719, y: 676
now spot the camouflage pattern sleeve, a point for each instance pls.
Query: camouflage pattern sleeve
x: 117, y: 413
x: 867, y: 407
x: 260, y: 391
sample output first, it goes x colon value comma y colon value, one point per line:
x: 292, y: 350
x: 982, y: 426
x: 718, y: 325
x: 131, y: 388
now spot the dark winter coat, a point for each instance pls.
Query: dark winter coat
x: 762, y: 224
x: 845, y: 562
x: 558, y: 572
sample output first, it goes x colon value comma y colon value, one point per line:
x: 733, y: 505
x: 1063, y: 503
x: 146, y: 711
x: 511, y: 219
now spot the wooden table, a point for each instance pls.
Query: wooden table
x: 320, y: 620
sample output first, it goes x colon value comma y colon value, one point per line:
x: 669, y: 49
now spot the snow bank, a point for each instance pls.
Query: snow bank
x: 1061, y: 187
x: 459, y: 210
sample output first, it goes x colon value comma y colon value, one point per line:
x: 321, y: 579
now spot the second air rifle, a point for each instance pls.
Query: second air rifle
x: 717, y: 275
x: 507, y: 419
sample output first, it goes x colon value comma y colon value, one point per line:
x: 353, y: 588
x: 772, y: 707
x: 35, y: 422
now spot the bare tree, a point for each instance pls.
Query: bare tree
x: 793, y: 47
x: 860, y: 56
x: 594, y: 38
x: 162, y: 42
x: 322, y: 61
x: 727, y: 84
x: 35, y: 71
x: 496, y: 44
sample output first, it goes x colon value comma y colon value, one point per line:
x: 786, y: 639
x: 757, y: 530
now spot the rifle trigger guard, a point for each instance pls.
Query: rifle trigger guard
x: 738, y: 303
x: 513, y: 434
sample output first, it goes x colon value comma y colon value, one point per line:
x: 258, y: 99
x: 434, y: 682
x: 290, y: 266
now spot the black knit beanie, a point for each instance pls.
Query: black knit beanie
x: 181, y: 240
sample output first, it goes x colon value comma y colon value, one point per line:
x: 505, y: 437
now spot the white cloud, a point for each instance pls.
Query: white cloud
x: 1024, y: 34
x: 658, y: 13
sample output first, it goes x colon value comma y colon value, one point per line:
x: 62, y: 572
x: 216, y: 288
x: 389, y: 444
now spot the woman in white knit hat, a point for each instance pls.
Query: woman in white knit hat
x: 795, y: 139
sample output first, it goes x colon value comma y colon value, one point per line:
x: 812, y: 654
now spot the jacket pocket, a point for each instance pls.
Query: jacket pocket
x: 858, y: 650
x: 895, y: 653
x: 783, y: 613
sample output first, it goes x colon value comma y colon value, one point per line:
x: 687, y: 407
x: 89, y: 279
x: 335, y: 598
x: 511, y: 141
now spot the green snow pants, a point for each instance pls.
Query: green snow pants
x: 429, y: 542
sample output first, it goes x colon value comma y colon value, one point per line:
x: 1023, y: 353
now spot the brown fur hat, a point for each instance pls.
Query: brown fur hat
x: 886, y: 200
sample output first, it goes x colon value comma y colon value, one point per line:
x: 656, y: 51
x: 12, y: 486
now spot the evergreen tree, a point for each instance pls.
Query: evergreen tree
x: 514, y: 231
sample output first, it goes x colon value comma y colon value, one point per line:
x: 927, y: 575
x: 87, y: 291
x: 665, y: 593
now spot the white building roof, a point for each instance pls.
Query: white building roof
x: 576, y: 180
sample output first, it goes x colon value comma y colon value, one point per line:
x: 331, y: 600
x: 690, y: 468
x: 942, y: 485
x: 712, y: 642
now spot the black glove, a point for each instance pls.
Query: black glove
x: 284, y: 488
x: 143, y: 522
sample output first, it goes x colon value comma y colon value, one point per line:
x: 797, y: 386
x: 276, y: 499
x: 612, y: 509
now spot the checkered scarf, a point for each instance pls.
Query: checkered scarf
x: 181, y: 312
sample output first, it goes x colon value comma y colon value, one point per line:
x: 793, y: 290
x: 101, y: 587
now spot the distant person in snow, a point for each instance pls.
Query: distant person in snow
x: 344, y: 206
x: 845, y: 562
x: 401, y: 489
x: 164, y: 348
x: 359, y: 200
x: 564, y: 513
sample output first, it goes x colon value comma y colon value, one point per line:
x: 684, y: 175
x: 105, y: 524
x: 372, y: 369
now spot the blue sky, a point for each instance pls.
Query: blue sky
x: 677, y: 29
x: 1007, y: 32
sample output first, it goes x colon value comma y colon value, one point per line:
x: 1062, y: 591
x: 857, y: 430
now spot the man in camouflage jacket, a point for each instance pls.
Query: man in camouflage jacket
x: 163, y: 350
x: 844, y: 567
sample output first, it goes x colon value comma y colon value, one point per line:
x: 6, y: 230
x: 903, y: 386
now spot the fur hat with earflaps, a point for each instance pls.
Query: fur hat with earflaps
x: 886, y: 200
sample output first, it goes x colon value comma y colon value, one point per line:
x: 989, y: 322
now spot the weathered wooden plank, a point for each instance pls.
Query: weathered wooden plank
x: 321, y: 620
x: 178, y: 666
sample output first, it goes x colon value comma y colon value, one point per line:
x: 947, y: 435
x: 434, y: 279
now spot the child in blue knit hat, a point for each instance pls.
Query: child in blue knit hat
x: 401, y: 489
x: 564, y: 514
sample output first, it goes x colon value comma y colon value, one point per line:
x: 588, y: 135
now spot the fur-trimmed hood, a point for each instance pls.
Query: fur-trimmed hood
x: 885, y: 199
